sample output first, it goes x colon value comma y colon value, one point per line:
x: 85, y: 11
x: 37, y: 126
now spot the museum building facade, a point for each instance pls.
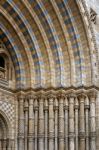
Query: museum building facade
x: 49, y: 75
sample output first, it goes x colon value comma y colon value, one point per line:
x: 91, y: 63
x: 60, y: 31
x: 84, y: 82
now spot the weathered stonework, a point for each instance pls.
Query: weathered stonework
x: 49, y: 75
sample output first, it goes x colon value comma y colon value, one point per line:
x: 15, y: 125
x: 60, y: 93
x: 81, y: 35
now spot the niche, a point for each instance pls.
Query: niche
x: 7, y: 73
x: 2, y: 67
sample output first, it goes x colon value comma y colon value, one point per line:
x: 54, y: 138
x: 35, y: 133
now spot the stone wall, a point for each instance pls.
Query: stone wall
x: 94, y: 4
x: 57, y: 120
x: 8, y: 111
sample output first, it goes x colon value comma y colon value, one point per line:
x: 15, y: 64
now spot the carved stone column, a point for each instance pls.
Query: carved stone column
x: 92, y: 97
x: 21, y: 123
x: 31, y: 123
x: 41, y: 122
x: 66, y: 123
x: 71, y: 121
x: 36, y: 123
x: 61, y: 97
x: 4, y: 144
x: 87, y: 122
x: 51, y: 122
x: 81, y: 122
x: 46, y: 124
x: 26, y: 124
x: 1, y: 144
x: 56, y: 122
x: 11, y: 144
x: 76, y: 123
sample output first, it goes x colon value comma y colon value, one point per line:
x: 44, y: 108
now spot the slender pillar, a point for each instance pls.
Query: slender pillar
x: 41, y: 123
x: 61, y: 121
x: 4, y: 144
x: 56, y: 122
x: 71, y: 121
x: 26, y: 124
x: 66, y: 108
x: 12, y: 142
x: 31, y: 123
x: 0, y: 144
x: 21, y: 123
x: 92, y: 97
x: 46, y: 124
x: 76, y: 123
x: 36, y: 124
x: 81, y: 122
x: 87, y: 122
x: 9, y: 144
x: 51, y: 123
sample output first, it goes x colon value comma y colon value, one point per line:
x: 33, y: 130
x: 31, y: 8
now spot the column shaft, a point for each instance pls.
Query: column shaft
x: 92, y: 123
x: 41, y: 125
x: 36, y: 124
x: 26, y: 124
x: 46, y: 125
x: 56, y: 123
x: 61, y: 123
x: 0, y: 144
x: 66, y: 123
x: 31, y: 124
x: 82, y: 123
x: 87, y: 122
x: 71, y: 122
x: 21, y: 123
x: 76, y: 123
x: 4, y: 144
x: 51, y: 124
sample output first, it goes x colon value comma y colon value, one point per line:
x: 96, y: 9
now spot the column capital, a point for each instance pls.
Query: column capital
x: 72, y: 95
x: 51, y: 95
x: 81, y: 96
x: 41, y: 96
x: 21, y: 97
x: 92, y: 94
x: 61, y: 94
x: 31, y: 97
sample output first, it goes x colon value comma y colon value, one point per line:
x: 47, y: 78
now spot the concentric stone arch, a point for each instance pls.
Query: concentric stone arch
x: 60, y: 41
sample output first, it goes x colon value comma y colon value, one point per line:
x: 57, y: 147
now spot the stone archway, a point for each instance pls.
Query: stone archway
x: 5, y: 135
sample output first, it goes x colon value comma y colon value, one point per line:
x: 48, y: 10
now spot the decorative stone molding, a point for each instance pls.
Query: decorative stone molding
x: 60, y: 119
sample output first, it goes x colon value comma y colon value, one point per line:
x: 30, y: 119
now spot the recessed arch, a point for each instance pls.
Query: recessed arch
x: 6, y: 122
x: 63, y: 43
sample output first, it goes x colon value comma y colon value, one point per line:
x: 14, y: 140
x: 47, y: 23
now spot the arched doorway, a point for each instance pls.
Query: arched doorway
x: 4, y: 134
